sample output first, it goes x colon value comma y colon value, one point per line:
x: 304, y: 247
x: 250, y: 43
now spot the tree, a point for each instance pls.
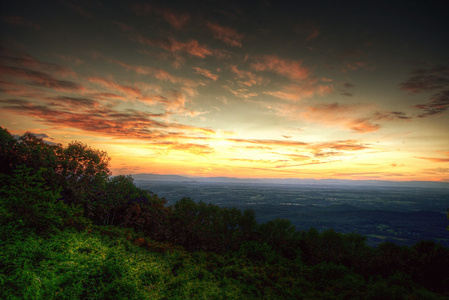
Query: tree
x: 28, y: 203
x: 79, y: 171
x: 83, y: 173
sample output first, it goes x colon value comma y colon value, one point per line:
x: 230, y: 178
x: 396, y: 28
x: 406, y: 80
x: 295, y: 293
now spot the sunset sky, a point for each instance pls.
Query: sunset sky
x: 274, y: 89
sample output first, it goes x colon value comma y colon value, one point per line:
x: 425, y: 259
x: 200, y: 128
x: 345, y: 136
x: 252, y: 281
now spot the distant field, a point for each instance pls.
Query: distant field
x: 402, y: 215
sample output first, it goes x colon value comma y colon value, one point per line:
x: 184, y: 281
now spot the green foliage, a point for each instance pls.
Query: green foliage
x: 208, y: 227
x: 28, y: 204
x: 75, y: 265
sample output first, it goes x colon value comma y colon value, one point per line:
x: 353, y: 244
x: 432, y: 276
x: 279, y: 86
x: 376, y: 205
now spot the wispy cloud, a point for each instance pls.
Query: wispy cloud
x: 20, y: 21
x: 308, y: 30
x: 270, y: 142
x: 41, y: 79
x: 226, y: 34
x: 427, y: 80
x: 295, y: 92
x: 292, y: 69
x: 247, y: 78
x: 81, y: 10
x: 8, y: 57
x: 333, y: 114
x: 175, y: 18
x: 194, y: 148
x: 206, y: 73
x: 352, y: 59
x: 93, y: 117
x: 146, y: 70
x: 436, y: 80
x: 192, y: 46
x: 434, y: 159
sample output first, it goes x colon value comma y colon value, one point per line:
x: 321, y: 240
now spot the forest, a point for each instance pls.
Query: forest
x: 71, y: 230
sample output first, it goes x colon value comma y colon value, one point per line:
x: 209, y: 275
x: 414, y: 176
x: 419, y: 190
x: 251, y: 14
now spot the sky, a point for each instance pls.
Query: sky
x: 248, y: 89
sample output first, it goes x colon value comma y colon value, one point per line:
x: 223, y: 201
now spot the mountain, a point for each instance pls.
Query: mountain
x: 156, y: 177
x: 293, y: 181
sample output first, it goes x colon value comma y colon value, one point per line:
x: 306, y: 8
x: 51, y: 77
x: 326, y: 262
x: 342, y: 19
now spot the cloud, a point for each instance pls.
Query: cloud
x: 172, y: 45
x: 353, y: 66
x: 197, y: 149
x: 248, y: 78
x: 41, y: 79
x: 73, y: 101
x: 9, y: 57
x: 352, y: 59
x: 308, y: 30
x: 175, y: 18
x: 434, y: 159
x: 295, y: 92
x: 313, y: 34
x: 228, y: 35
x: 291, y: 69
x: 20, y: 21
x: 241, y: 92
x: 427, y: 80
x: 145, y: 70
x: 289, y: 153
x: 435, y: 79
x: 73, y: 59
x: 103, y: 120
x: 345, y: 145
x: 335, y: 114
x: 78, y: 9
x: 173, y: 100
x: 125, y: 89
x: 206, y: 73
x: 362, y: 125
x: 270, y: 142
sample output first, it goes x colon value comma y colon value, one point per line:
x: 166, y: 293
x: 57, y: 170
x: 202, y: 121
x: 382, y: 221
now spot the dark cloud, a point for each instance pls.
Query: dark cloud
x: 41, y: 79
x: 424, y: 83
x: 24, y: 60
x: 435, y: 79
x: 438, y: 104
x: 75, y: 101
x: 427, y: 80
x: 391, y: 115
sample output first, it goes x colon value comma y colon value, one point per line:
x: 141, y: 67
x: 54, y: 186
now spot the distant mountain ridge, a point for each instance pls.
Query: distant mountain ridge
x: 292, y: 181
